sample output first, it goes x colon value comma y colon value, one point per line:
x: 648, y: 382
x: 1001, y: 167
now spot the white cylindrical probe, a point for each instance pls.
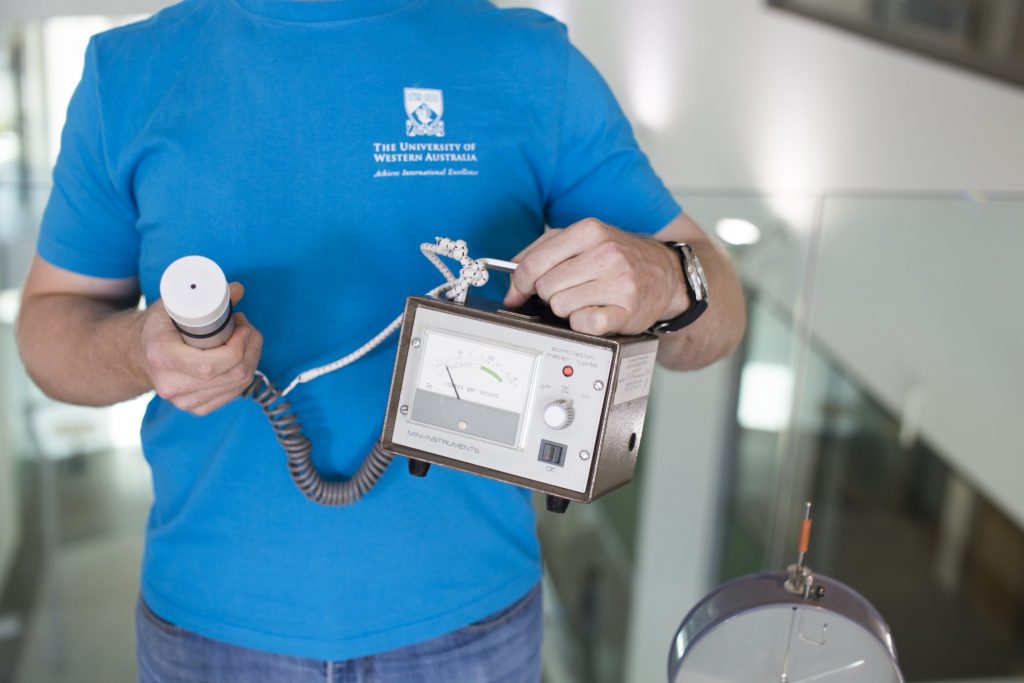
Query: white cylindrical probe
x: 198, y: 300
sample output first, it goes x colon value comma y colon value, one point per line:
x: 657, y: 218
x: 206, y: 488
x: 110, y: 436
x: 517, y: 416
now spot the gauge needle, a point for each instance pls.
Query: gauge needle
x: 452, y: 381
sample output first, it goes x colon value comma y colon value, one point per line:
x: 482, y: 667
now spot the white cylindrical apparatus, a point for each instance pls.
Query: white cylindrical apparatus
x: 754, y: 629
x: 198, y: 300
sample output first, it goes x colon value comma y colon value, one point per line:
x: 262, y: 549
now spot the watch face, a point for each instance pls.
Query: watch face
x: 787, y: 644
x: 700, y: 274
x: 696, y: 287
x: 695, y: 273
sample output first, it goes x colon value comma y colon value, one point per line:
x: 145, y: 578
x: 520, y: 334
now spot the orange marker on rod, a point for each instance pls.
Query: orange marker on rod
x: 805, y: 535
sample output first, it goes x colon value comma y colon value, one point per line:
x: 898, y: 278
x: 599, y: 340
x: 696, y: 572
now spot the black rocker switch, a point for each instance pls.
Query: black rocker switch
x: 552, y: 453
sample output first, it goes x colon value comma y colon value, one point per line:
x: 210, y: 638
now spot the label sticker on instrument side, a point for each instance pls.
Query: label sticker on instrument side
x: 634, y: 377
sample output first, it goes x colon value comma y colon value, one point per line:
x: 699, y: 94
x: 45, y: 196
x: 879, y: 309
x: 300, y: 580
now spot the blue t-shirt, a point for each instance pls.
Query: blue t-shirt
x: 309, y: 148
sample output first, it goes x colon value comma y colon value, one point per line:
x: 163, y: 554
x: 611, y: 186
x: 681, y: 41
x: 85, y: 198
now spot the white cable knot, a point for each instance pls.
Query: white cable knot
x: 456, y: 249
x: 474, y: 273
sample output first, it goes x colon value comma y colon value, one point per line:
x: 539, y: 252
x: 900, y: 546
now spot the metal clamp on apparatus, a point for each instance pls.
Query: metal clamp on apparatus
x: 516, y: 396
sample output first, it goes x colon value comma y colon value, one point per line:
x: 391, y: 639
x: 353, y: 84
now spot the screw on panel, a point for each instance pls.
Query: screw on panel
x: 415, y: 343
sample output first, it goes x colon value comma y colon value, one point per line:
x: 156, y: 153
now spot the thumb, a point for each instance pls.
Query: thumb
x: 237, y: 292
x: 513, y: 297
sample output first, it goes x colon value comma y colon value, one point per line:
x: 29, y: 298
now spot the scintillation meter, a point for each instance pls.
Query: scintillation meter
x: 517, y: 396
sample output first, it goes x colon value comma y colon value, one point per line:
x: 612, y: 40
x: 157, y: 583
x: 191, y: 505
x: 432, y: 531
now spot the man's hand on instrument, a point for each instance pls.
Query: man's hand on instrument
x: 604, y: 280
x: 197, y: 380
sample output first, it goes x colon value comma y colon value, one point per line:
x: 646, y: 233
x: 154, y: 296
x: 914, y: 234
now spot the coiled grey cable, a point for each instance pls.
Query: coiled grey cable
x: 196, y: 296
x: 299, y: 450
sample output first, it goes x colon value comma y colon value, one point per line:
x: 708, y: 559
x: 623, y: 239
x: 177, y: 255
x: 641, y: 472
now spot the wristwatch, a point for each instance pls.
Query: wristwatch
x: 696, y: 288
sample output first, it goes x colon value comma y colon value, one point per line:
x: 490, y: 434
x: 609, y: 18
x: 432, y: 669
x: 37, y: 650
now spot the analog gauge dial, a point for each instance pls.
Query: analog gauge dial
x: 474, y: 387
x: 468, y: 370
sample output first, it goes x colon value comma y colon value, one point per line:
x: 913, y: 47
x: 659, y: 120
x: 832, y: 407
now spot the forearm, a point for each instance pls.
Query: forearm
x: 81, y: 350
x: 718, y: 331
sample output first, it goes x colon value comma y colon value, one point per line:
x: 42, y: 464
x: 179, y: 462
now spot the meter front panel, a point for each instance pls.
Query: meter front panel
x: 503, y: 398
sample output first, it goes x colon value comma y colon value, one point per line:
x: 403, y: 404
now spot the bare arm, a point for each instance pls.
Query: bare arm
x: 718, y: 331
x: 73, y: 328
x: 83, y: 341
x: 605, y: 281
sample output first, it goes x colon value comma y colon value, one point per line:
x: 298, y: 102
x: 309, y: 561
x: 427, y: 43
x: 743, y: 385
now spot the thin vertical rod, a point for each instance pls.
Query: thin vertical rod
x: 803, y: 315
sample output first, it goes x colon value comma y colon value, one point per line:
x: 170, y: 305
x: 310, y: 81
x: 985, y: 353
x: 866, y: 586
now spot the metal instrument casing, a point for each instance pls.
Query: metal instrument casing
x: 607, y: 393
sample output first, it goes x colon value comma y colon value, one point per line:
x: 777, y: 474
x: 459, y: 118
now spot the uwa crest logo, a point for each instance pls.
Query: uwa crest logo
x: 424, y: 107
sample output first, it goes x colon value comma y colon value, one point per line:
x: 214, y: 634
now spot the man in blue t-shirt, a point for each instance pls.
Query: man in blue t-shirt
x: 309, y: 148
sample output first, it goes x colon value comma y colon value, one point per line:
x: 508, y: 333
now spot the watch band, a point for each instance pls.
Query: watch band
x: 696, y: 289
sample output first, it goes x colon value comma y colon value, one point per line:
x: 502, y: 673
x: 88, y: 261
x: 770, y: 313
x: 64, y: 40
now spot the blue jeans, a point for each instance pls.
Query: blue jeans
x: 503, y: 648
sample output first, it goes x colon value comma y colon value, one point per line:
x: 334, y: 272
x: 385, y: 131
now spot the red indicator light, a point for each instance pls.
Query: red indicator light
x: 567, y: 371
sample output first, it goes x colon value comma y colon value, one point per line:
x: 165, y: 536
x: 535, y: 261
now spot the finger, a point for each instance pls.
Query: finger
x: 207, y: 364
x: 599, y: 320
x: 205, y: 402
x: 237, y: 292
x: 252, y: 353
x: 243, y: 351
x: 231, y: 385
x: 545, y: 236
x: 239, y: 339
x: 199, y: 397
x: 513, y: 297
x: 207, y: 408
x: 174, y: 385
x: 571, y: 273
x: 211, y: 364
x: 565, y: 302
x: 592, y: 264
x: 562, y: 246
